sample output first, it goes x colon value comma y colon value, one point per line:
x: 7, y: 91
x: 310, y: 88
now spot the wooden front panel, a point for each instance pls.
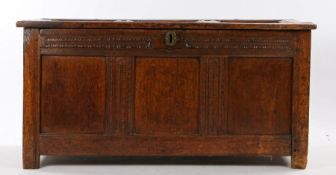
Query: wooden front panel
x: 259, y: 96
x: 167, y: 96
x: 73, y: 94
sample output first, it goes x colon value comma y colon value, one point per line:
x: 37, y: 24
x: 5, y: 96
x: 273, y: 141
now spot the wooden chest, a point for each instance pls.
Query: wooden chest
x: 166, y: 88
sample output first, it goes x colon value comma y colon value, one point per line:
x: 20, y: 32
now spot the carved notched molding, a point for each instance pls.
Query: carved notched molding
x: 104, y: 42
x: 237, y: 43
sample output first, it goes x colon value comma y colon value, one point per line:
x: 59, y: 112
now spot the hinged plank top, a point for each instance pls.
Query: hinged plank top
x: 168, y: 24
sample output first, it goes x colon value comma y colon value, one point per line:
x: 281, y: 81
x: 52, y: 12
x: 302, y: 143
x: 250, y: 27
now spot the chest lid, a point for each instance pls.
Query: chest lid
x: 168, y: 24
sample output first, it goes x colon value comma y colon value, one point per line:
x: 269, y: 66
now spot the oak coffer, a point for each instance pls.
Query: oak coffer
x: 166, y: 88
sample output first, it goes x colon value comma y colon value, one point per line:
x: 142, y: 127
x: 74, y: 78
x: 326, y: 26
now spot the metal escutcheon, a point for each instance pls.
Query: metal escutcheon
x: 170, y: 38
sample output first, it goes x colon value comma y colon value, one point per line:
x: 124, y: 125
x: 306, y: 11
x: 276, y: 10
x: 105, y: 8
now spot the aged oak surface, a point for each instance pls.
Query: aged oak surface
x: 62, y: 99
x: 166, y: 88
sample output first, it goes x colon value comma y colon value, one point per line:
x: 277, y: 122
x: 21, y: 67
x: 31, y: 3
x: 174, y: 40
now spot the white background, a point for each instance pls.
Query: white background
x: 323, y: 70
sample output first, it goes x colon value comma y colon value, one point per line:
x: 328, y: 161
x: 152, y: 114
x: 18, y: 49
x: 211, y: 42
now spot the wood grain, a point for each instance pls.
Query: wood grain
x: 122, y: 102
x: 73, y: 94
x: 213, y: 96
x: 300, y: 121
x: 86, y: 145
x: 170, y: 24
x: 259, y: 96
x: 31, y: 102
x: 167, y: 96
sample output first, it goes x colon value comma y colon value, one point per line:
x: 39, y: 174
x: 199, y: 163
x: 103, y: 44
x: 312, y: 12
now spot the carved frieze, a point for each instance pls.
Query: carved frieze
x: 103, y: 42
x: 236, y: 43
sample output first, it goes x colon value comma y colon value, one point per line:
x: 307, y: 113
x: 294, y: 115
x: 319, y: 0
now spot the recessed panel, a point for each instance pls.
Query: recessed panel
x: 73, y: 94
x: 167, y: 96
x: 259, y: 96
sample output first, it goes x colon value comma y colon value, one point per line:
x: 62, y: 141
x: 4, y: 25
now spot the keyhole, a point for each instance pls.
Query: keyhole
x: 170, y: 38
